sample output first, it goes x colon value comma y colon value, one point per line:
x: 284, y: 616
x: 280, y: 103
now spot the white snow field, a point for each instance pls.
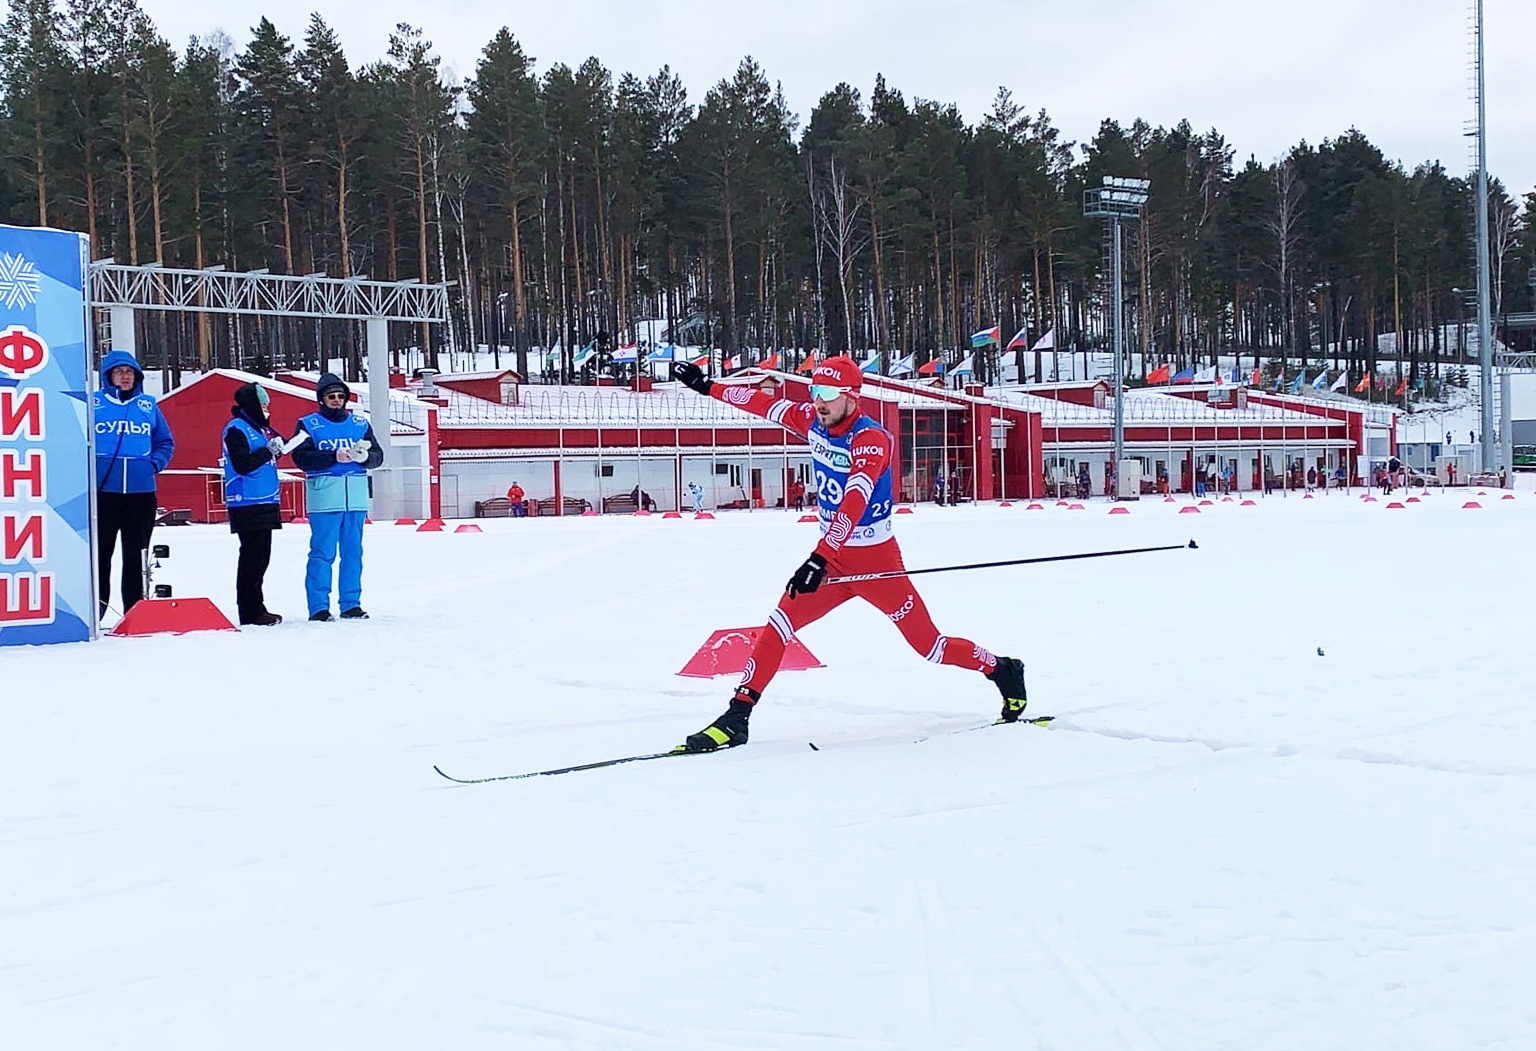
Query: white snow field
x: 1226, y: 841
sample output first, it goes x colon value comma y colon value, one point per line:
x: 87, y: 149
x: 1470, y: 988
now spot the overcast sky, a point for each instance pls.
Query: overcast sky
x: 1266, y: 75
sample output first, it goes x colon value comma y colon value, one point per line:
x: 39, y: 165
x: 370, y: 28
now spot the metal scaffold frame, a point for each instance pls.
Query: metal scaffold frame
x: 219, y: 291
x: 121, y: 289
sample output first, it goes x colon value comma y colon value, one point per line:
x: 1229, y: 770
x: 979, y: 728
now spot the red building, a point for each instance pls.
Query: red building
x: 460, y: 440
x: 199, y: 410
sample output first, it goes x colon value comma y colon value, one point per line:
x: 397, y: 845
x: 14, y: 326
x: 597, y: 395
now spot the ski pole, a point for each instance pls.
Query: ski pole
x: 857, y: 578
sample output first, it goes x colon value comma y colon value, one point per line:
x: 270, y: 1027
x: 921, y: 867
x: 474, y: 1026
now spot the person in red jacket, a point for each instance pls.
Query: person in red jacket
x: 851, y: 455
x: 515, y: 498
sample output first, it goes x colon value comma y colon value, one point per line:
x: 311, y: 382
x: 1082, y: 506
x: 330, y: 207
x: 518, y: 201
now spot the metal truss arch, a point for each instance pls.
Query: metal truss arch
x: 218, y: 291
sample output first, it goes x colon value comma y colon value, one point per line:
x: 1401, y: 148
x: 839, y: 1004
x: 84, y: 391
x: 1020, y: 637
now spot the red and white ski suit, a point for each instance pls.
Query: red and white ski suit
x: 852, y: 464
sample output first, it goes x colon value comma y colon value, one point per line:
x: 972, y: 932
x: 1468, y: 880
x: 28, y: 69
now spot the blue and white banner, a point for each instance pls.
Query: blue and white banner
x: 47, y: 587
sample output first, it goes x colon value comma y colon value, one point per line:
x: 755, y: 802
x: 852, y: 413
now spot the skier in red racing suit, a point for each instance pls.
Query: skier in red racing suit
x: 851, y: 454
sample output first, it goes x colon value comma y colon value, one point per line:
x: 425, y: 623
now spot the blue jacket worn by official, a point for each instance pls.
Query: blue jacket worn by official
x: 133, y: 441
x: 336, y: 495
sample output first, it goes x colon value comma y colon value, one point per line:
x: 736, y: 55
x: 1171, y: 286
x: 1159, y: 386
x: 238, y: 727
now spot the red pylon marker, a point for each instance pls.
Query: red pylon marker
x: 727, y: 650
x: 171, y: 616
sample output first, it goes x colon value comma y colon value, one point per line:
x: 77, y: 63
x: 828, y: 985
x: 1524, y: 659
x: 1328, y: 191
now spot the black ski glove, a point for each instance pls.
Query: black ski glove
x: 808, y: 577
x: 690, y: 375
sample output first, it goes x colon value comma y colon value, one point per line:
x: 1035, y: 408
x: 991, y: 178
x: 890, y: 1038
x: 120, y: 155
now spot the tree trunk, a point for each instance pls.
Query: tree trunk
x: 882, y: 319
x: 204, y: 333
x: 341, y: 213
x: 730, y: 259
x: 429, y: 352
x: 39, y: 161
x: 518, y: 300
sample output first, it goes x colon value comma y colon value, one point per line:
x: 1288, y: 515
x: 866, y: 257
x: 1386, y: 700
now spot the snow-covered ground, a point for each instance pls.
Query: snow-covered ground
x: 1226, y: 841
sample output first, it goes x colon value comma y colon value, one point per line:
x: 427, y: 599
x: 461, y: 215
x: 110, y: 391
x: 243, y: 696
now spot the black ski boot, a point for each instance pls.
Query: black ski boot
x: 355, y: 613
x: 729, y: 730
x: 1008, y: 677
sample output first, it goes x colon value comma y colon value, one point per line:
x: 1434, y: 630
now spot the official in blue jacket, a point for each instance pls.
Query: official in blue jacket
x: 336, y: 457
x: 133, y: 445
x: 252, y: 497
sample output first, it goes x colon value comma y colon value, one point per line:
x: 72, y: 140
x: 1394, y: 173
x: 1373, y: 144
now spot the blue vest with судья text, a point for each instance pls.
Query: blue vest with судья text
x: 338, y: 486
x: 261, y: 486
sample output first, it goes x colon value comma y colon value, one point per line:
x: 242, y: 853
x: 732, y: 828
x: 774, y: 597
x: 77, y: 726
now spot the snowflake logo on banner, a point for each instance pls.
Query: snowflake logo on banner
x: 19, y: 282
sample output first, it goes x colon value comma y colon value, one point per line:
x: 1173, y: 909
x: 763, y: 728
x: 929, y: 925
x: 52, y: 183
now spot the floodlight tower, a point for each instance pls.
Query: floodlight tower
x: 1115, y: 201
x: 1484, y: 306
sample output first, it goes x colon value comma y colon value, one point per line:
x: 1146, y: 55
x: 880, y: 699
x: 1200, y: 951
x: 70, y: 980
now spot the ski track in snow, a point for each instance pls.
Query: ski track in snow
x: 1224, y: 842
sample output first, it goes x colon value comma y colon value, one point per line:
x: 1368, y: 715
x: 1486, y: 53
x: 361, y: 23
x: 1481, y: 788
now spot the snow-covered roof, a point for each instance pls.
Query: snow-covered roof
x: 407, y: 413
x: 791, y: 447
x: 241, y: 376
x: 485, y: 374
x: 891, y: 392
x: 1151, y: 406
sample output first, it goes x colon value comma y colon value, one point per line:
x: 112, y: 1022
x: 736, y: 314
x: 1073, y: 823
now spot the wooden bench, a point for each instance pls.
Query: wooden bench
x: 572, y: 505
x: 175, y: 517
x: 619, y: 505
x: 495, y: 507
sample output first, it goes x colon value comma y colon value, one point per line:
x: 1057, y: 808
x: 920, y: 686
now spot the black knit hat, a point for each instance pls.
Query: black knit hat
x: 330, y: 381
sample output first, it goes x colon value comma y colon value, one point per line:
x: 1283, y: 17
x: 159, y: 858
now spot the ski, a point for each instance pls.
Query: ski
x: 1032, y: 720
x: 566, y: 769
x: 1036, y: 720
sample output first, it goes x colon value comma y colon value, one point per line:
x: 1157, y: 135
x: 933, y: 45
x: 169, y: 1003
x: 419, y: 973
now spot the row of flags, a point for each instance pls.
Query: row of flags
x: 629, y: 353
x: 991, y: 336
x: 1211, y: 374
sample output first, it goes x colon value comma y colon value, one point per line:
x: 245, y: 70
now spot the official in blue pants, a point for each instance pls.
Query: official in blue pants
x: 340, y: 451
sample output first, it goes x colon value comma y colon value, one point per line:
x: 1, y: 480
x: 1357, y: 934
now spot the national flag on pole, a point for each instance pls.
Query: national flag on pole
x: 1321, y: 381
x: 987, y: 336
x: 1184, y: 376
x: 585, y: 354
x: 808, y: 365
x: 626, y: 354
x: 963, y: 367
x: 1256, y: 380
x: 903, y: 366
x: 732, y: 362
x: 1364, y: 384
x: 1301, y: 377
x: 1237, y: 374
x: 1161, y: 374
x: 1047, y: 341
x: 1401, y: 388
x: 1340, y: 383
x: 932, y: 368
x: 666, y: 353
x: 770, y: 362
x: 872, y: 365
x: 1206, y: 375
x: 1019, y: 341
